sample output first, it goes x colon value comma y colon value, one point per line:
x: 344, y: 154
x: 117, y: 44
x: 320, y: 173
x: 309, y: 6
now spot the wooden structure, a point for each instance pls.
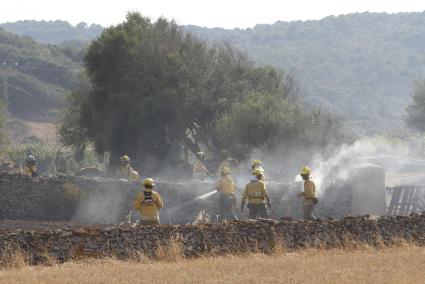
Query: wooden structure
x: 406, y: 200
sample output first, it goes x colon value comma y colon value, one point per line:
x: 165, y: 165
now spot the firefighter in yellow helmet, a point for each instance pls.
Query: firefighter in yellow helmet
x: 257, y: 195
x: 226, y: 161
x: 148, y: 203
x: 200, y: 171
x: 227, y: 200
x: 256, y: 164
x: 309, y: 194
x: 125, y: 171
x: 30, y: 168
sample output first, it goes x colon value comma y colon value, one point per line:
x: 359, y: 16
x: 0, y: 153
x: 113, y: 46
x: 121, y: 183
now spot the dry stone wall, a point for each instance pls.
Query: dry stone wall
x: 108, y: 201
x: 234, y: 237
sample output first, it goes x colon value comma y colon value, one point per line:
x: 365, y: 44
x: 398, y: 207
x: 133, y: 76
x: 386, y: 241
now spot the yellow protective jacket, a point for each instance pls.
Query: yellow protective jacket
x: 309, y: 192
x: 30, y: 171
x: 127, y: 172
x: 148, y: 203
x: 255, y: 192
x: 225, y: 185
x: 263, y: 178
x: 199, y: 170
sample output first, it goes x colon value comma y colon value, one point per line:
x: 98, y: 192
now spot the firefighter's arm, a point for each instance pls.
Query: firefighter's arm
x: 137, y: 202
x: 134, y: 175
x: 207, y: 171
x: 158, y: 201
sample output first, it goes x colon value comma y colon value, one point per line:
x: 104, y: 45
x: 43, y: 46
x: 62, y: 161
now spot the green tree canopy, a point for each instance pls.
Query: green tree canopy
x: 156, y: 90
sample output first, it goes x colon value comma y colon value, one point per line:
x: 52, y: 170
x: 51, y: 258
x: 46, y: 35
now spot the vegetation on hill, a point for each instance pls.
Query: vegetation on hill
x: 55, y: 32
x: 361, y: 65
x: 155, y: 92
x: 34, y: 78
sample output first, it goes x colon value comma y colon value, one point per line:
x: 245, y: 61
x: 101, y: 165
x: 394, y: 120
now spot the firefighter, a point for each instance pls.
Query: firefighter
x: 148, y: 203
x: 256, y: 164
x: 226, y: 161
x: 125, y: 171
x: 227, y: 200
x: 200, y: 171
x: 257, y: 195
x: 309, y: 194
x: 30, y: 168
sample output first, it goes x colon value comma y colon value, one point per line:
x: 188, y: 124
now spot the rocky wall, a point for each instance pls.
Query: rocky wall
x: 234, y: 237
x: 108, y: 201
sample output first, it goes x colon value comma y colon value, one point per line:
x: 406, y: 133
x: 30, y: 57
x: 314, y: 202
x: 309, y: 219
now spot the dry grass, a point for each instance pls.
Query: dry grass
x: 12, y: 257
x: 45, y: 131
x: 404, y: 264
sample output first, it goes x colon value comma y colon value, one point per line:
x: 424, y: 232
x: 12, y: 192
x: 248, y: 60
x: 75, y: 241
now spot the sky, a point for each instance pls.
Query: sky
x: 211, y: 13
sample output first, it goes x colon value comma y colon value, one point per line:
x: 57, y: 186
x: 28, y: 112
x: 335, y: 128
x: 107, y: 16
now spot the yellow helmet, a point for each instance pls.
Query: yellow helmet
x: 148, y: 182
x: 225, y: 170
x: 125, y: 158
x: 305, y: 170
x: 256, y: 163
x: 257, y: 172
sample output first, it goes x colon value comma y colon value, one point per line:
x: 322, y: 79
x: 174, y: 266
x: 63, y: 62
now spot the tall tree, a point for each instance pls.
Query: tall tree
x: 155, y: 89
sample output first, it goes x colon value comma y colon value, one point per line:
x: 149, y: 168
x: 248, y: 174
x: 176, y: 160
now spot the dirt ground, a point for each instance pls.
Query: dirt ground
x: 393, y: 265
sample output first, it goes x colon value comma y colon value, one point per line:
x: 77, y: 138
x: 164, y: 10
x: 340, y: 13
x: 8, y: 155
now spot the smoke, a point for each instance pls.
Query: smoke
x: 106, y: 203
x: 379, y: 151
x: 331, y: 164
x: 184, y: 197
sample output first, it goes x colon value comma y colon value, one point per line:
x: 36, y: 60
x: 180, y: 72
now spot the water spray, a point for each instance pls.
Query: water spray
x: 208, y: 194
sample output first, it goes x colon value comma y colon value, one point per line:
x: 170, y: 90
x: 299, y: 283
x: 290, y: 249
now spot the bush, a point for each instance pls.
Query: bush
x: 52, y: 159
x: 266, y: 121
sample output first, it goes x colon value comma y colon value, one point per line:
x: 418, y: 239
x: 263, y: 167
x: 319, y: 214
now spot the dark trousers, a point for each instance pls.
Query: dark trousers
x: 226, y: 207
x: 258, y: 210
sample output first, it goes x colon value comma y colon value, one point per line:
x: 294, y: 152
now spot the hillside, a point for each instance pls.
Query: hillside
x: 54, y: 32
x: 360, y: 65
x: 34, y: 77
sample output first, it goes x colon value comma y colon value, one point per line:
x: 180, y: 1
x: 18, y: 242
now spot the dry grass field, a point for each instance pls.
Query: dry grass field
x: 391, y: 265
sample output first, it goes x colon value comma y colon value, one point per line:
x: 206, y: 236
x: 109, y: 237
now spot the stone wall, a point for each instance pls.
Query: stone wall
x: 235, y: 237
x: 108, y: 201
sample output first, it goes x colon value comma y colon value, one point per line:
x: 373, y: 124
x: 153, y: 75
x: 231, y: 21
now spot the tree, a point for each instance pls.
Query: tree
x: 155, y: 89
x: 267, y: 121
x: 416, y: 110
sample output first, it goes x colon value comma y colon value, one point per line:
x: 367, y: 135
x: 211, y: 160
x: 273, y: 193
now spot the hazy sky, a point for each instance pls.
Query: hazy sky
x: 210, y: 13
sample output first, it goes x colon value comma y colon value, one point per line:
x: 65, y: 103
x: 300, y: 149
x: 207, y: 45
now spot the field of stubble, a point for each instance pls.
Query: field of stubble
x: 391, y: 265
